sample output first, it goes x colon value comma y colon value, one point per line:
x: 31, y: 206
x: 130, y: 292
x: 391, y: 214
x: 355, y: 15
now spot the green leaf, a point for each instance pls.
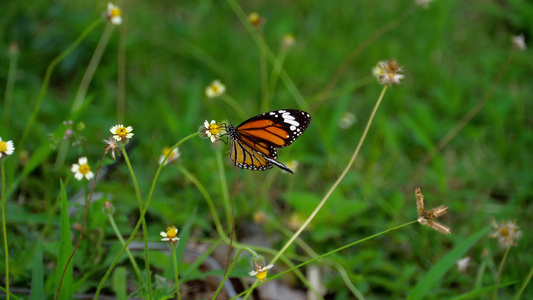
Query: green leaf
x: 65, y: 250
x: 37, y: 279
x: 448, y: 261
x: 118, y: 280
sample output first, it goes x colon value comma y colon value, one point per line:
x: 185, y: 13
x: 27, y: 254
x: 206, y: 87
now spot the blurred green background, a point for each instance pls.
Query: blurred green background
x: 453, y: 53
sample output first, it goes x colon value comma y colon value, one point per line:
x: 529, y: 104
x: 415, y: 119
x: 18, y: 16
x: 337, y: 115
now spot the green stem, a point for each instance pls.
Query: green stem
x: 276, y: 70
x: 336, y: 184
x: 226, y: 275
x: 269, y: 54
x: 47, y: 77
x: 175, y: 260
x: 130, y: 256
x: 4, y: 230
x: 141, y: 218
x: 223, y: 185
x: 248, y: 291
x: 143, y: 221
x: 263, y: 74
x: 524, y: 284
x: 500, y: 269
x: 91, y: 68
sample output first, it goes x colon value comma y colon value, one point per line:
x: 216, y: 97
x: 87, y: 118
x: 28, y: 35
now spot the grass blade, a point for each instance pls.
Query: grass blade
x: 448, y: 261
x: 65, y: 249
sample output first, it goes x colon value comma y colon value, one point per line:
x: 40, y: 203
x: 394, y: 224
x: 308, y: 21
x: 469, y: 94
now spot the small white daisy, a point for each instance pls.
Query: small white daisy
x: 215, y: 89
x: 121, y: 133
x: 171, y: 235
x: 260, y: 271
x: 212, y: 130
x: 6, y: 148
x: 172, y: 157
x: 113, y: 14
x: 519, y: 42
x: 82, y: 169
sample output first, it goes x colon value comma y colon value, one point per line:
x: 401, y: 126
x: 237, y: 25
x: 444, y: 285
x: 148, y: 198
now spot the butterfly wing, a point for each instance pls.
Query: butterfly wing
x: 254, y: 141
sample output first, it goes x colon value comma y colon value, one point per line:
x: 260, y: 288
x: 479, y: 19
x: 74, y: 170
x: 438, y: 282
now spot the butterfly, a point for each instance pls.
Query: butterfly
x: 254, y: 142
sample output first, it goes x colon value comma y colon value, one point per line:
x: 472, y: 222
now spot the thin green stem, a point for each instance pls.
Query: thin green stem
x: 205, y: 193
x: 130, y: 256
x: 145, y: 229
x: 4, y: 230
x: 47, y: 77
x: 139, y: 222
x: 223, y: 185
x: 524, y: 284
x: 269, y: 54
x: 274, y: 75
x: 10, y: 82
x: 91, y: 68
x: 336, y: 184
x: 228, y: 271
x: 175, y: 261
x: 221, y: 232
x: 500, y: 269
x: 263, y: 74
x: 248, y: 291
x: 307, y: 249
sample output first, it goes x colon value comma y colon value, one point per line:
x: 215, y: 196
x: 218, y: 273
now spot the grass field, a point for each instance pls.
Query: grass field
x: 458, y: 126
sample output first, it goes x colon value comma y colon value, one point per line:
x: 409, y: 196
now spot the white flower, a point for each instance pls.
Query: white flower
x: 212, y: 130
x: 113, y: 14
x: 463, y: 263
x: 387, y: 72
x: 260, y: 272
x: 82, y: 169
x: 171, y: 235
x: 172, y: 157
x: 519, y: 42
x: 6, y: 148
x: 215, y: 89
x: 121, y: 133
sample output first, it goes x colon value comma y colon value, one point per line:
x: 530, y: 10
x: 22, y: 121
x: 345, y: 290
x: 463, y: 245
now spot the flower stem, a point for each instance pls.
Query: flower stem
x: 229, y: 270
x: 130, y: 256
x: 524, y: 284
x: 143, y: 221
x: 500, y: 269
x: 143, y: 212
x: 4, y: 225
x: 336, y: 184
x: 175, y: 260
x: 248, y: 291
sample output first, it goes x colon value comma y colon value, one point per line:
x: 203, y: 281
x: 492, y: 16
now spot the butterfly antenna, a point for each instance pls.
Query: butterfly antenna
x: 226, y: 113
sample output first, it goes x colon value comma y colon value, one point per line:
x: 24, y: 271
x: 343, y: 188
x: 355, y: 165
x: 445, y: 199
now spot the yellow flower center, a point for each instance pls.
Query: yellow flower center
x: 261, y: 275
x: 84, y: 169
x: 122, y: 132
x: 214, y: 88
x: 115, y: 12
x: 214, y: 129
x: 254, y: 18
x: 504, y: 231
x: 3, y: 146
x: 172, y: 232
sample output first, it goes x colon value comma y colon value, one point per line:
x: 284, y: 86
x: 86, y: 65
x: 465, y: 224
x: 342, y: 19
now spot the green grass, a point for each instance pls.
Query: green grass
x: 453, y: 54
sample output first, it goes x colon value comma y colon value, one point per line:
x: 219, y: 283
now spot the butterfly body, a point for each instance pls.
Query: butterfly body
x: 253, y: 143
